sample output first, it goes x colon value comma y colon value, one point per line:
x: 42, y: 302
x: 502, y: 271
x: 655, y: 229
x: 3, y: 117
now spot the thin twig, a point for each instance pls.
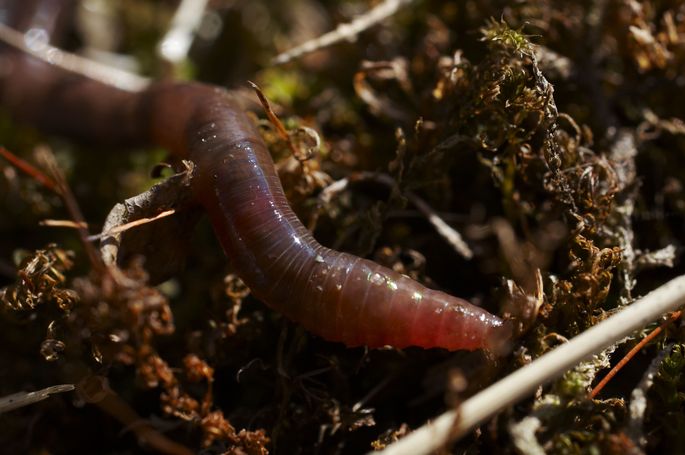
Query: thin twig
x: 63, y: 223
x: 447, y: 232
x: 132, y: 224
x: 21, y: 399
x: 637, y: 348
x: 91, y: 69
x: 58, y: 184
x: 344, y: 32
x: 273, y: 118
x: 276, y: 122
x: 110, y: 232
x: 454, y: 424
x: 49, y: 161
x: 115, y: 406
x: 29, y: 169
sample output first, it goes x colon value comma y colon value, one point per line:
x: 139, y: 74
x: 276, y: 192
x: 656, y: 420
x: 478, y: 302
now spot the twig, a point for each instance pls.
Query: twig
x: 381, y: 105
x: 40, y: 49
x: 98, y: 393
x: 29, y: 169
x: 637, y: 348
x: 63, y: 223
x: 177, y: 40
x: 447, y: 232
x: 454, y: 424
x: 110, y: 232
x: 344, y: 32
x: 58, y: 184
x: 48, y: 159
x: 127, y: 226
x: 21, y: 399
x: 276, y: 122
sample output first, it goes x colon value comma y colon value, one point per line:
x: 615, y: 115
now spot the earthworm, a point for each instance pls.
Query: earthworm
x: 335, y: 295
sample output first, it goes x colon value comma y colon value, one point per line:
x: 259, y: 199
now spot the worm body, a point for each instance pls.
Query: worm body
x: 335, y: 295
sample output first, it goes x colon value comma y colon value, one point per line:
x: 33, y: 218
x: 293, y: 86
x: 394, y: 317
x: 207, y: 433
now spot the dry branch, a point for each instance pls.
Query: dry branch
x: 344, y: 32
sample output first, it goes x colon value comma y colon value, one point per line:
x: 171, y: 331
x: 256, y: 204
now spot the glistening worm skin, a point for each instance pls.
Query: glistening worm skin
x: 335, y: 295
